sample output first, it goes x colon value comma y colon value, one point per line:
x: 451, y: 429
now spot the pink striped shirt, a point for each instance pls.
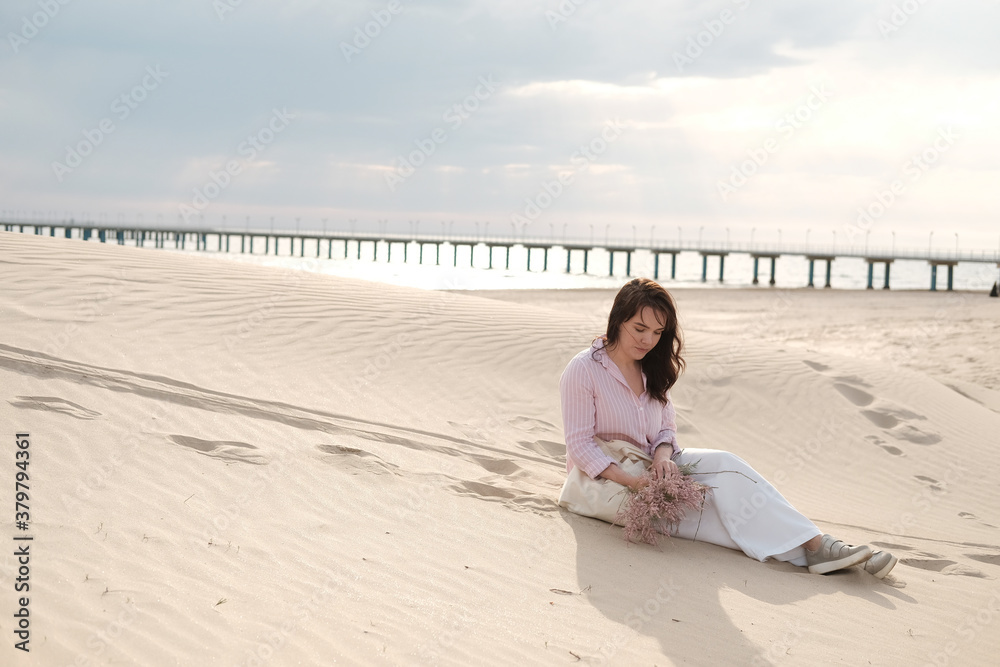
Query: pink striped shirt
x: 596, y: 400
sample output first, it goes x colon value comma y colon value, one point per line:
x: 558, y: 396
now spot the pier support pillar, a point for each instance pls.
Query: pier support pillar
x: 656, y: 266
x: 673, y: 266
x: 951, y: 274
x: 886, y: 285
x: 628, y: 263
x: 545, y: 259
x: 871, y: 273
x: 507, y: 263
x: 812, y: 268
x: 611, y: 262
x: 773, y: 261
x: 756, y: 260
x: 704, y: 268
x: 585, y: 251
x: 569, y: 254
x: 722, y: 266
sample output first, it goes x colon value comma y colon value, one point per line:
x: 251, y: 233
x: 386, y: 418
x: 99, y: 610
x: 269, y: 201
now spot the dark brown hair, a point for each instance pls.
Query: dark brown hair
x: 663, y: 364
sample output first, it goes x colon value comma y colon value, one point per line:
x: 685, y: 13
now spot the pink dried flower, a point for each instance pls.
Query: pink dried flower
x: 660, y: 502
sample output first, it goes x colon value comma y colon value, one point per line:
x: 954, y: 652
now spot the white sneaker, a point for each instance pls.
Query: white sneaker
x: 880, y: 564
x: 834, y: 554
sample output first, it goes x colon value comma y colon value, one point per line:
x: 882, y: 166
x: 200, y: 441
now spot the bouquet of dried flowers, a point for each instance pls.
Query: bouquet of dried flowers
x: 661, y: 501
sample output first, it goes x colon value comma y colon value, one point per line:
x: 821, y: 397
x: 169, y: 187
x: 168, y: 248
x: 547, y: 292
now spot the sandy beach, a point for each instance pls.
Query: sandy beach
x: 243, y: 465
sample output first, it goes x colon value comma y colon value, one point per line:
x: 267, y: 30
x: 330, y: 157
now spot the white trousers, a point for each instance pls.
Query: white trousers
x: 743, y: 511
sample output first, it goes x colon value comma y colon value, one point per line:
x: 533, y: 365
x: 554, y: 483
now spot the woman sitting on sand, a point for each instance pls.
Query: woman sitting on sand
x: 618, y: 389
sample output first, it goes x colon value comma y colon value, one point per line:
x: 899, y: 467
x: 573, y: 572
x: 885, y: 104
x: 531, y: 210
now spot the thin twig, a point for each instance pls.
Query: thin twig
x: 720, y: 471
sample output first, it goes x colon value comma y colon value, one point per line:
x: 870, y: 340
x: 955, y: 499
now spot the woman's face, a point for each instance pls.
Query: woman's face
x: 640, y: 334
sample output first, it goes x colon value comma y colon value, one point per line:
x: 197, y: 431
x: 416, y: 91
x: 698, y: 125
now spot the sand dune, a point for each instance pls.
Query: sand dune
x: 244, y: 465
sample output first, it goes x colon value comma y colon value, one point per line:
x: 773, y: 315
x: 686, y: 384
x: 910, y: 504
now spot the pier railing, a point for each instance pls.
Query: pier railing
x: 159, y: 235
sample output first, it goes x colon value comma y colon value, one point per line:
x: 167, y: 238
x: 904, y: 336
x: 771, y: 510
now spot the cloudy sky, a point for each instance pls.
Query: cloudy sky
x: 831, y: 119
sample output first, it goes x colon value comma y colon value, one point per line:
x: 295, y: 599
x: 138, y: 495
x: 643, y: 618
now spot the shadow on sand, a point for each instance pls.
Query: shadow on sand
x: 691, y: 596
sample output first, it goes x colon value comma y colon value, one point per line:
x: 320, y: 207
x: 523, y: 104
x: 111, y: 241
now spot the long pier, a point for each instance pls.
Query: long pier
x: 226, y: 240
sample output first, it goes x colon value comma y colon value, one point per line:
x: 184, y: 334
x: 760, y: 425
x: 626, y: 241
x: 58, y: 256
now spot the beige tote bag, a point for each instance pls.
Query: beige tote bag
x: 600, y: 498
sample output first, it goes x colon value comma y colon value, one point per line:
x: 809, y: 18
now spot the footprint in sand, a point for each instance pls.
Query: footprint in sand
x: 895, y: 451
x: 55, y: 404
x: 852, y: 379
x: 357, y: 460
x: 816, y: 366
x: 970, y: 515
x: 520, y: 501
x: 892, y: 419
x: 556, y: 450
x: 854, y: 395
x: 532, y: 425
x: 227, y: 450
x: 992, y: 559
x: 497, y: 466
x: 944, y: 566
x: 930, y: 481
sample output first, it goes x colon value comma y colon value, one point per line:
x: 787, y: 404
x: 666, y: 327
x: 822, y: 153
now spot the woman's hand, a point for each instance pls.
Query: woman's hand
x: 662, y: 465
x: 616, y: 474
x: 638, y: 482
